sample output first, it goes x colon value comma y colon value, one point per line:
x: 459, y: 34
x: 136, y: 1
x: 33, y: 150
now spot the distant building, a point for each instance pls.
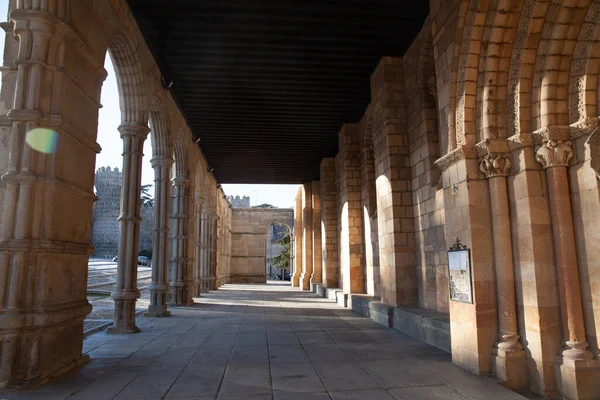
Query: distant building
x: 239, y: 202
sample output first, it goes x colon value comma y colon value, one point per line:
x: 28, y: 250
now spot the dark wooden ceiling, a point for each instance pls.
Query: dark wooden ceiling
x: 267, y: 84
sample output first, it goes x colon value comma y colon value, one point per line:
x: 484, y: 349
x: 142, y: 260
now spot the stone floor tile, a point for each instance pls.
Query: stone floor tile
x: 151, y: 384
x: 283, y: 338
x: 213, y: 355
x: 368, y: 351
x: 296, y: 377
x: 198, y: 381
x: 108, y: 385
x: 314, y: 337
x: 217, y: 339
x: 251, y: 397
x: 176, y: 356
x: 370, y: 394
x: 246, y: 379
x: 398, y: 373
x: 249, y: 355
x: 441, y: 392
x: 251, y: 339
x: 286, y: 395
x: 287, y: 353
x: 326, y: 352
x: 347, y: 375
x: 354, y: 336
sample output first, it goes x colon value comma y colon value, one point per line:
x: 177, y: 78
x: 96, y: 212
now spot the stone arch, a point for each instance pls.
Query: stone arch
x: 497, y: 47
x: 160, y: 125
x: 462, y: 101
x: 180, y: 155
x: 518, y: 117
x: 133, y: 95
x: 553, y: 64
x: 585, y: 69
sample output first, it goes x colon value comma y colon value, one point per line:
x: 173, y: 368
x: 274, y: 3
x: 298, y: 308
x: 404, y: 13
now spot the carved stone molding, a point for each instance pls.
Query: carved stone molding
x: 594, y: 143
x: 445, y: 162
x: 519, y: 141
x: 494, y: 157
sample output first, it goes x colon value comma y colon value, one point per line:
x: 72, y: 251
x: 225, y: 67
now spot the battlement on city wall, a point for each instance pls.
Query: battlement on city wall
x: 105, y: 231
x: 239, y: 202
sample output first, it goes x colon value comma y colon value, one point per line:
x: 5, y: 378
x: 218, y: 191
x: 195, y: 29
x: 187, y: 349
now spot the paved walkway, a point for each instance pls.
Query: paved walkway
x: 264, y: 342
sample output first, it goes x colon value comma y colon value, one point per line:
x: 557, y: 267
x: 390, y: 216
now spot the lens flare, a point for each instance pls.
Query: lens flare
x: 42, y: 139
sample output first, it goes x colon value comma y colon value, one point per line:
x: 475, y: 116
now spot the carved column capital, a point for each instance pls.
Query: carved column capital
x: 555, y: 153
x: 556, y: 148
x: 134, y: 129
x: 494, y: 157
x: 161, y: 161
x: 181, y: 181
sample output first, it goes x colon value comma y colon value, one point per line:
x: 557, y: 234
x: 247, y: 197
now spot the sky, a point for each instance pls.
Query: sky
x: 108, y: 137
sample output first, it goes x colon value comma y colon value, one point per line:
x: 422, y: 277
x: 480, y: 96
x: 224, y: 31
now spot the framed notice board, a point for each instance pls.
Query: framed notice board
x: 459, y: 273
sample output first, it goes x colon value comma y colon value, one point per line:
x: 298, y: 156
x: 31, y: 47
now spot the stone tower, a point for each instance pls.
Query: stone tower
x: 105, y: 233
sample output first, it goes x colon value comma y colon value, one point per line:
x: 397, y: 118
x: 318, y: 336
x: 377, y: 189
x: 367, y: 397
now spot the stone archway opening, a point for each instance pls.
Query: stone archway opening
x: 106, y: 233
x: 278, y: 249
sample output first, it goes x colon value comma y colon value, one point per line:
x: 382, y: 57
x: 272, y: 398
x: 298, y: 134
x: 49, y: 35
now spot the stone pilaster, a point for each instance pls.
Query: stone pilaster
x: 508, y: 353
x: 181, y: 293
x: 126, y: 292
x: 204, y: 245
x: 159, y: 286
x: 46, y: 206
x: 393, y: 185
x: 307, y: 236
x: 317, y: 275
x: 198, y: 222
x: 350, y: 212
x: 329, y: 231
x: 212, y: 254
x: 576, y: 365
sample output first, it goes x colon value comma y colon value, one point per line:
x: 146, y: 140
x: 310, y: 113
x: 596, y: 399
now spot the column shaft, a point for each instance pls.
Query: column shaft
x: 307, y: 237
x: 181, y: 293
x: 159, y: 286
x: 126, y: 292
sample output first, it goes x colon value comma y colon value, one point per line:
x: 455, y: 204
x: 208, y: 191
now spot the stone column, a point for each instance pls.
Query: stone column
x: 351, y: 240
x: 180, y: 285
x: 395, y: 222
x: 329, y: 231
x: 316, y: 276
x: 577, y: 368
x: 212, y: 226
x: 159, y: 286
x: 509, y: 356
x: 126, y: 293
x: 198, y: 207
x: 204, y: 255
x: 298, y: 259
x: 307, y: 237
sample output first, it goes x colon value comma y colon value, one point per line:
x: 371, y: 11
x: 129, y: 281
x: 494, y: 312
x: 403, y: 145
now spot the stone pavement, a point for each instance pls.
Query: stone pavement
x: 264, y: 342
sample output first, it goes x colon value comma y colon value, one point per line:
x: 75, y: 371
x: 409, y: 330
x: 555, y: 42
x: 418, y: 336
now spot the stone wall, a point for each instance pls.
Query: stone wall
x: 105, y: 228
x: 249, y: 234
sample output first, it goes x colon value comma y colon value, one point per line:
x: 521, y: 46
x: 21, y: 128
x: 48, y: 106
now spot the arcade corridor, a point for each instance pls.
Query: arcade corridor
x: 264, y: 342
